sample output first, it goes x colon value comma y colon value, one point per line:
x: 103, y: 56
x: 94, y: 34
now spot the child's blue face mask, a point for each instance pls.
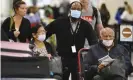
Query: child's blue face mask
x: 75, y: 13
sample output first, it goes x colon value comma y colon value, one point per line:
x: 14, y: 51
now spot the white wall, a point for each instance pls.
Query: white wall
x: 6, y: 8
x: 113, y: 5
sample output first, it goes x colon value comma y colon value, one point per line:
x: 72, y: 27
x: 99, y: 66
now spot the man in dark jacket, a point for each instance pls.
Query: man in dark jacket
x: 116, y: 65
x: 71, y: 32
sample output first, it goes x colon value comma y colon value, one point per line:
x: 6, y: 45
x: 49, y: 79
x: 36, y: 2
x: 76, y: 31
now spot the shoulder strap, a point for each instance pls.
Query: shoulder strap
x: 95, y: 13
x: 11, y: 22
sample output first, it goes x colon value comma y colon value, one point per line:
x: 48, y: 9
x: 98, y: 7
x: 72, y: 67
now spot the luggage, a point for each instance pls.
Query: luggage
x: 17, y: 62
x: 14, y: 49
x: 24, y: 67
x: 56, y: 65
x: 28, y: 79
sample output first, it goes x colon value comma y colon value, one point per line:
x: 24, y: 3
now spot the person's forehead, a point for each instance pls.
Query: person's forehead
x: 41, y: 28
x: 84, y: 0
x: 76, y: 4
x: 108, y: 32
x: 23, y: 5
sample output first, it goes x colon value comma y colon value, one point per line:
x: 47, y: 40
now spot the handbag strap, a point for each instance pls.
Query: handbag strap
x: 11, y: 23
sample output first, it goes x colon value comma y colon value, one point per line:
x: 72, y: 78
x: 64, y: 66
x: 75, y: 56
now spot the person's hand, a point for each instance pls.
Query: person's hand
x: 16, y: 33
x: 49, y: 56
x: 10, y: 40
x: 100, y: 67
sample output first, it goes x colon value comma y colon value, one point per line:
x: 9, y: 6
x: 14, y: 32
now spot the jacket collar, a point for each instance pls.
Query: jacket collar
x: 104, y: 47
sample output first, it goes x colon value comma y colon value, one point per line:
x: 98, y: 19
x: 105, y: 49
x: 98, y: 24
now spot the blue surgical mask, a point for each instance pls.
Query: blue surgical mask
x: 75, y: 13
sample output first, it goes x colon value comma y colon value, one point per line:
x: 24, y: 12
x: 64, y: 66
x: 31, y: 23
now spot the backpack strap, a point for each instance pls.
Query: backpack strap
x: 11, y: 23
x: 95, y: 14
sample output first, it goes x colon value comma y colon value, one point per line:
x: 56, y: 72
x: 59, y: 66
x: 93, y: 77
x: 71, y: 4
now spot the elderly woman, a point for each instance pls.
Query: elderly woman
x: 111, y: 61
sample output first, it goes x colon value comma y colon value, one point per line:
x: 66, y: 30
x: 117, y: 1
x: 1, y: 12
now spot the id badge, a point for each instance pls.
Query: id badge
x: 73, y: 49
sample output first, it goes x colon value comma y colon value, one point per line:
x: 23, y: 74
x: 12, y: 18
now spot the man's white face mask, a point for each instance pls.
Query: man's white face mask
x: 107, y: 42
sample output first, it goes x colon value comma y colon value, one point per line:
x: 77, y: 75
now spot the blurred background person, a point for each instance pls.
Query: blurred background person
x: 33, y: 16
x: 16, y: 27
x: 118, y: 15
x: 127, y: 15
x: 92, y: 15
x: 49, y: 12
x: 48, y: 15
x: 64, y: 8
x: 105, y: 15
x: 120, y: 12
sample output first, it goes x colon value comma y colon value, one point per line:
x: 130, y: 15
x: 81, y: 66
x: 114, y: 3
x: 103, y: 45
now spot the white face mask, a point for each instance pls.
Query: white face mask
x: 31, y: 14
x: 107, y: 42
x: 41, y: 37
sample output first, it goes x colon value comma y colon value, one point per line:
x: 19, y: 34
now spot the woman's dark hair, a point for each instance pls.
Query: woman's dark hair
x: 28, y: 10
x: 17, y: 3
x: 35, y: 29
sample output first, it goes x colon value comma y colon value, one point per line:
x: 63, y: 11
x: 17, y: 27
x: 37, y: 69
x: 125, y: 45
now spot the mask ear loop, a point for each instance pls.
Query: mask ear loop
x: 69, y: 13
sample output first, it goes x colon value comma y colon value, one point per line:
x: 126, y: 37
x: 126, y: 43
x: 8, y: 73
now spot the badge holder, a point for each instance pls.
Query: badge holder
x: 73, y: 49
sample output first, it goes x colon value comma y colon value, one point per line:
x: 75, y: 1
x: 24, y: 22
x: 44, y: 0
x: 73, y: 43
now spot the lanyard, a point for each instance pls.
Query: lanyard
x: 74, y: 32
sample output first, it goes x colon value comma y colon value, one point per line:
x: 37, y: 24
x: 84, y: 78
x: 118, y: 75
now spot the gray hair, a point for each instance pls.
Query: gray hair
x: 106, y: 30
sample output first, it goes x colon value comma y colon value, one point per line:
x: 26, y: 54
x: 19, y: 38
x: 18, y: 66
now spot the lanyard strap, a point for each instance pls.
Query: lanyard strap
x: 75, y: 32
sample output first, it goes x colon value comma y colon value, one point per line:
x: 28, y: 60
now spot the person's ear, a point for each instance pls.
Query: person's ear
x: 113, y: 38
x: 45, y: 32
x: 100, y: 37
x: 70, y: 11
x: 15, y: 10
x: 34, y: 36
